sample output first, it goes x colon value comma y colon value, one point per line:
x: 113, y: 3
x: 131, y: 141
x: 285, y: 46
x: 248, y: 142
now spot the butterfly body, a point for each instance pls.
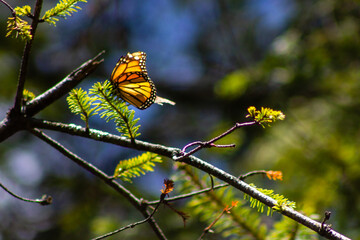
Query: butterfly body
x: 132, y: 83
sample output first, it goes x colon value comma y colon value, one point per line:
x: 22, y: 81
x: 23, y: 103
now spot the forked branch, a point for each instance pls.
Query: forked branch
x: 195, y: 162
x: 168, y: 188
x: 16, y: 121
x: 63, y: 87
x: 25, y: 59
x: 183, y: 154
x: 104, y: 177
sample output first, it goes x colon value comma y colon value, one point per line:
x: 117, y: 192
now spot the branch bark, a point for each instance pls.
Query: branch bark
x: 63, y: 87
x: 16, y: 121
x: 105, y: 178
x: 25, y: 59
x: 193, y: 161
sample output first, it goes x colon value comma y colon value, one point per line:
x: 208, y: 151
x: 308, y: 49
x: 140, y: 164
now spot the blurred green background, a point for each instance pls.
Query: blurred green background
x: 214, y: 59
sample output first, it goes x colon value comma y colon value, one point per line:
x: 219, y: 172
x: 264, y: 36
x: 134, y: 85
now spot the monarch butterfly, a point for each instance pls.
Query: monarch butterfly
x: 132, y: 83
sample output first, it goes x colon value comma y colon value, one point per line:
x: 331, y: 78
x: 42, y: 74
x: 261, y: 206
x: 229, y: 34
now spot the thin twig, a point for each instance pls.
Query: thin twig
x: 132, y: 224
x: 13, y: 13
x: 188, y: 195
x: 210, y: 142
x: 183, y: 215
x: 190, y: 144
x: 44, y: 200
x: 194, y: 193
x: 206, y: 145
x: 122, y: 229
x: 208, y: 228
x: 252, y: 173
x: 232, y: 145
x: 211, y: 181
x: 25, y: 60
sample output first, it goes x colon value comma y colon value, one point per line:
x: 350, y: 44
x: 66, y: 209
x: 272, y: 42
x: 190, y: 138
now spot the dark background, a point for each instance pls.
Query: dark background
x: 214, y: 59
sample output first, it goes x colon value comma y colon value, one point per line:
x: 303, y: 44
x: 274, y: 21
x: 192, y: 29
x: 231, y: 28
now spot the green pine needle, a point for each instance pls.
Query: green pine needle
x: 63, y: 9
x: 281, y: 201
x: 136, y: 166
x: 80, y: 103
x: 111, y: 108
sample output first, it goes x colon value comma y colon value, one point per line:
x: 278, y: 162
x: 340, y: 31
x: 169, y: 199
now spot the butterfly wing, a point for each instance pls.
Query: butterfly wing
x: 132, y: 62
x: 136, y: 88
x: 131, y: 81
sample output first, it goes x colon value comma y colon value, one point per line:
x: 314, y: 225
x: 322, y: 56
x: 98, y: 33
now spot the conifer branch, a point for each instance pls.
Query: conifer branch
x: 63, y: 9
x: 134, y: 167
x: 281, y: 201
x: 112, y: 109
x: 80, y: 104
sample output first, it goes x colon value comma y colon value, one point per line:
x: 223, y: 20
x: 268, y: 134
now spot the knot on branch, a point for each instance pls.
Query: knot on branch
x: 177, y: 154
x: 46, y: 200
x: 325, y: 227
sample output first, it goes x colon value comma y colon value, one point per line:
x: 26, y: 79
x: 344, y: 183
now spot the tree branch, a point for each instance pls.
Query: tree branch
x: 210, y: 143
x: 44, y: 200
x: 133, y: 224
x: 194, y: 193
x: 193, y: 161
x: 63, y: 87
x: 25, y: 60
x: 15, y: 122
x: 242, y: 186
x: 101, y: 136
x: 13, y: 13
x: 100, y: 174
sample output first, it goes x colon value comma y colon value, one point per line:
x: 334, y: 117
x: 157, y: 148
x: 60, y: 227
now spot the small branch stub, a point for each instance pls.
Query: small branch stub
x: 325, y: 227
